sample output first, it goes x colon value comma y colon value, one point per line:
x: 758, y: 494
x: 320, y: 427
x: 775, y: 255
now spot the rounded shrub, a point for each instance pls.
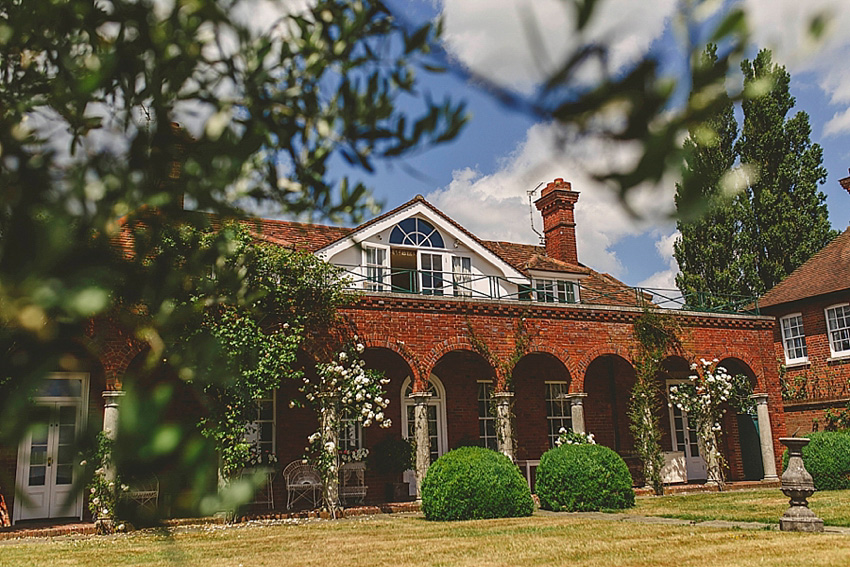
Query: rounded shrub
x: 583, y: 478
x: 472, y: 483
x: 827, y: 458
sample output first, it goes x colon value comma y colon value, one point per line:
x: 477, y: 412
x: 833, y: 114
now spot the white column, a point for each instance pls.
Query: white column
x: 504, y: 428
x: 766, y: 437
x: 111, y: 399
x: 330, y: 437
x: 421, y: 437
x: 577, y: 411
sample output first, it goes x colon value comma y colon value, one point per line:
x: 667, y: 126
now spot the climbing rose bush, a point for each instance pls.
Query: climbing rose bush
x: 358, y: 395
x: 702, y: 398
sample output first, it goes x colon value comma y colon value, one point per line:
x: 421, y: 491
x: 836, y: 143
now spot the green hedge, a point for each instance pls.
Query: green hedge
x: 827, y: 458
x: 582, y: 478
x: 474, y: 483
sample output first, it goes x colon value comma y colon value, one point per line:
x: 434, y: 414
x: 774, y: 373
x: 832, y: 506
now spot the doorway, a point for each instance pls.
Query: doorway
x: 685, y: 440
x: 47, y: 454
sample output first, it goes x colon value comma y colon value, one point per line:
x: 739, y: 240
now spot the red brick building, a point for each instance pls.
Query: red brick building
x: 812, y: 335
x: 432, y: 293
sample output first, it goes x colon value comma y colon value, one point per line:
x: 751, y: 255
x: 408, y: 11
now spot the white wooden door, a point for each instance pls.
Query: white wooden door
x: 685, y: 440
x: 47, y: 463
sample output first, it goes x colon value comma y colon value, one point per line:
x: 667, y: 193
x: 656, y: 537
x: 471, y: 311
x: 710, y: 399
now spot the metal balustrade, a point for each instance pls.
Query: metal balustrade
x: 478, y: 286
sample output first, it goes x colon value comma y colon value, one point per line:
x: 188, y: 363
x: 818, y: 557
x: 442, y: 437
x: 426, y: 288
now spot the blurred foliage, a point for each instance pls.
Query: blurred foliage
x: 114, y: 112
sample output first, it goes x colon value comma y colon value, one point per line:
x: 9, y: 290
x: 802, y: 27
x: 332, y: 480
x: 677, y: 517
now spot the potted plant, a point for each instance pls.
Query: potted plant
x: 391, y: 457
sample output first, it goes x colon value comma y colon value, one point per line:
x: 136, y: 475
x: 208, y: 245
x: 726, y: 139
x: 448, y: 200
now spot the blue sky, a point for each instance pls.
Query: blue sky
x: 481, y: 179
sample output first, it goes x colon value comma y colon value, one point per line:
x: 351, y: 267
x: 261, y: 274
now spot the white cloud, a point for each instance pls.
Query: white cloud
x: 666, y: 278
x: 495, y: 206
x: 518, y: 42
x: 782, y: 25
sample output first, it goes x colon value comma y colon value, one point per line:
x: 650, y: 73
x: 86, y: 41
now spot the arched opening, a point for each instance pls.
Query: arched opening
x: 608, y: 382
x: 541, y: 383
x: 742, y: 445
x: 467, y: 380
x: 679, y: 435
x: 436, y: 415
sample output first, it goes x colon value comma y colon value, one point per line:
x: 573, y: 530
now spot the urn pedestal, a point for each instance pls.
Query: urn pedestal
x: 797, y: 484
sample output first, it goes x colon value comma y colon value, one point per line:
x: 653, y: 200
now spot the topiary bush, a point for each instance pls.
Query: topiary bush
x: 472, y: 483
x: 827, y: 458
x: 583, y: 478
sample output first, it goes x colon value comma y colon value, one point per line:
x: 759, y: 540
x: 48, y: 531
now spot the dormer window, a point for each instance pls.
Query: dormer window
x: 416, y: 232
x: 554, y: 291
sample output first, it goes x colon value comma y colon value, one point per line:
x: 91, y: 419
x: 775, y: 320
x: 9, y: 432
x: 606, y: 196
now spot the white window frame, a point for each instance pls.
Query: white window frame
x: 254, y: 431
x: 379, y: 281
x: 787, y: 328
x: 461, y: 278
x: 548, y: 290
x: 565, y: 419
x: 350, y: 429
x: 486, y: 418
x: 843, y: 331
x: 432, y: 290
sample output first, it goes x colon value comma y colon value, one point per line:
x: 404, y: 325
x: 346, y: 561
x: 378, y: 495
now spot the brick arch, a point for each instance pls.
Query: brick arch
x: 561, y: 354
x: 381, y: 341
x: 748, y: 360
x: 116, y: 359
x: 459, y: 342
x: 593, y: 354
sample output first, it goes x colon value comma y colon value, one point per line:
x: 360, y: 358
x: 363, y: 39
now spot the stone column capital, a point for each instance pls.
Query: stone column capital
x: 759, y: 398
x: 420, y: 397
x: 112, y: 397
x: 503, y: 395
x: 576, y: 399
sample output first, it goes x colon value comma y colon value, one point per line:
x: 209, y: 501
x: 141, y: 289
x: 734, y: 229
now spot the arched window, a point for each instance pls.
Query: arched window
x: 436, y: 414
x: 416, y: 232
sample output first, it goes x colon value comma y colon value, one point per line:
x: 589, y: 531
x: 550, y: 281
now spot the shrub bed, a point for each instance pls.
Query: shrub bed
x: 827, y: 458
x: 473, y: 483
x: 583, y: 478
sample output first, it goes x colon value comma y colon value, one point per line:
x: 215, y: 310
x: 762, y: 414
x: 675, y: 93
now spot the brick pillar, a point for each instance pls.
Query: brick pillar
x: 420, y: 435
x: 765, y: 437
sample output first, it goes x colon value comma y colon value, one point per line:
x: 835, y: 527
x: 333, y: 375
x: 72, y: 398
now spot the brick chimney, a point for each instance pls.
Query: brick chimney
x: 556, y: 204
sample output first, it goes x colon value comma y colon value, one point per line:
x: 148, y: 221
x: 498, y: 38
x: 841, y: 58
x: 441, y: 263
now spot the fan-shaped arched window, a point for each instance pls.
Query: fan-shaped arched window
x: 416, y: 232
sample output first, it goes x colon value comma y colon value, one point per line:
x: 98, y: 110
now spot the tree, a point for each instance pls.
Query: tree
x: 90, y: 91
x: 748, y: 242
x: 784, y: 218
x: 707, y: 223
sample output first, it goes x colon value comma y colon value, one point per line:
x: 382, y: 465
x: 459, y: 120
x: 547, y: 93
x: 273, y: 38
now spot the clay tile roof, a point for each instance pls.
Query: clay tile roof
x: 304, y: 236
x: 827, y: 271
x: 525, y: 257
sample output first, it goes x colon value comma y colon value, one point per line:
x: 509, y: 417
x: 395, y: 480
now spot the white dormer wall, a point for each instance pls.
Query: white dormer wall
x: 485, y: 268
x: 556, y: 293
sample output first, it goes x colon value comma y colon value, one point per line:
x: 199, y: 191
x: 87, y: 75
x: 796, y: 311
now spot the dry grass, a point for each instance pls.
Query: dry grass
x: 554, y: 539
x: 765, y: 505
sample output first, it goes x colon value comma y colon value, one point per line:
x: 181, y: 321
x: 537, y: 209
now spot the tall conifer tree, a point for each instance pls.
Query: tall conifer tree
x: 784, y: 218
x: 746, y: 244
x: 706, y: 252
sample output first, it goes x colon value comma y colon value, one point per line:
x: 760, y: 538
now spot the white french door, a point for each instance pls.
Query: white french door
x: 685, y: 440
x: 47, y: 455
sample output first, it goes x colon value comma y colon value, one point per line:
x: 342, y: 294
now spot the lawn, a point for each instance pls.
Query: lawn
x: 544, y: 539
x: 765, y: 505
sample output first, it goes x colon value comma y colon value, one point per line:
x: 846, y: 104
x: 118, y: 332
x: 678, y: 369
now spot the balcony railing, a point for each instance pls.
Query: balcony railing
x: 372, y: 279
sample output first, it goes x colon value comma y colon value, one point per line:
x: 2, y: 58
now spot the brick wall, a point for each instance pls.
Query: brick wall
x: 823, y: 377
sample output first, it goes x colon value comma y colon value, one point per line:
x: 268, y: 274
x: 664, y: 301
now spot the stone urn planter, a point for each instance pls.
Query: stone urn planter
x: 797, y: 484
